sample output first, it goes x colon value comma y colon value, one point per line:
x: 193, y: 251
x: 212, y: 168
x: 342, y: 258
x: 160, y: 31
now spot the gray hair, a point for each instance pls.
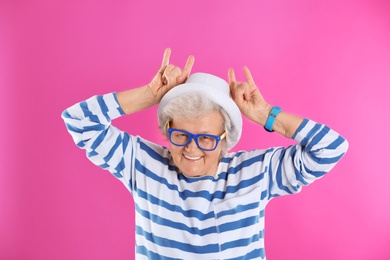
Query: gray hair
x: 195, y: 105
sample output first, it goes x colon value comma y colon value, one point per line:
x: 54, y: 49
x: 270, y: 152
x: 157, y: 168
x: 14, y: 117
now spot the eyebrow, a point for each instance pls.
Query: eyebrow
x: 202, y: 132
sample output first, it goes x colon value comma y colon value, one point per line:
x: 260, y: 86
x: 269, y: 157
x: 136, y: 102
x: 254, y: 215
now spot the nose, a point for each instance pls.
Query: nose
x: 191, y: 146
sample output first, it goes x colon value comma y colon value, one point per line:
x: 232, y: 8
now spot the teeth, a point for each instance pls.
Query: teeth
x: 192, y: 158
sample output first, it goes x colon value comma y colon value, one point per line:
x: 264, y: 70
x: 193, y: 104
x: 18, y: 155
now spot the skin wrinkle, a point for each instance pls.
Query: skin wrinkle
x: 207, y: 161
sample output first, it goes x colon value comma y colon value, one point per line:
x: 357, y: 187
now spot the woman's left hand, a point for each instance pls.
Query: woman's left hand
x: 169, y: 75
x: 248, y: 97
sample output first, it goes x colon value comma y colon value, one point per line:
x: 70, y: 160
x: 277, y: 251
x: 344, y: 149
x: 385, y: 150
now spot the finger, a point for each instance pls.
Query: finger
x: 239, y: 93
x: 176, y: 72
x: 232, y: 76
x: 247, y: 94
x: 173, y: 76
x: 248, y: 76
x: 166, y: 72
x: 170, y: 76
x: 232, y: 82
x: 168, y: 69
x: 165, y: 61
x: 187, y: 69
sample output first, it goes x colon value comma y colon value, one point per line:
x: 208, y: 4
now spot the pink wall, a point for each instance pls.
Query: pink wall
x: 327, y: 60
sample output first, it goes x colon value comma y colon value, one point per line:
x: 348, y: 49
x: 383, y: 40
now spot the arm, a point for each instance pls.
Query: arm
x: 167, y: 77
x: 252, y: 104
x: 89, y: 122
x: 318, y: 150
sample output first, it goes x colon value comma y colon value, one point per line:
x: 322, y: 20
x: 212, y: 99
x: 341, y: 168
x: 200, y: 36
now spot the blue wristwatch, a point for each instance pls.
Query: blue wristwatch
x: 271, y: 118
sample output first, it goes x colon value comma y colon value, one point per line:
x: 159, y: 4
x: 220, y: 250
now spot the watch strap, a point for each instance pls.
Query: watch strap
x: 271, y: 118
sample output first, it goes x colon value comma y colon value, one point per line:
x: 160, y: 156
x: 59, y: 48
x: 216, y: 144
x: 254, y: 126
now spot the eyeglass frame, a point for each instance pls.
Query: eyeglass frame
x: 191, y: 136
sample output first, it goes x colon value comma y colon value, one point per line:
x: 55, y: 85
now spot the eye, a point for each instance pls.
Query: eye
x: 206, y: 138
x: 180, y: 135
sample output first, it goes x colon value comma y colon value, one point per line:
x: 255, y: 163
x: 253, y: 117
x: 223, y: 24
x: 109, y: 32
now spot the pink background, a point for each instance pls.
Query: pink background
x: 326, y: 60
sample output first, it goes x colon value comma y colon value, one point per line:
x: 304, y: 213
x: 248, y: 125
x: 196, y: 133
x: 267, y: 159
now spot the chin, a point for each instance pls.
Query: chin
x: 192, y: 175
x: 195, y: 174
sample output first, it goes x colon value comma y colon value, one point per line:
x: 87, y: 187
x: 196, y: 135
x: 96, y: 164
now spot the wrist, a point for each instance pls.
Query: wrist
x: 269, y: 124
x: 152, y: 96
x: 136, y: 99
x: 262, y: 114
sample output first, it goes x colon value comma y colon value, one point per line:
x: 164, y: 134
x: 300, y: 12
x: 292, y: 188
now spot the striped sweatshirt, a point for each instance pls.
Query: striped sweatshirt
x: 209, y: 217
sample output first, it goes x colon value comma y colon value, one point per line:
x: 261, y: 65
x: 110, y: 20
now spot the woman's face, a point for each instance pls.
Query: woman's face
x: 192, y: 161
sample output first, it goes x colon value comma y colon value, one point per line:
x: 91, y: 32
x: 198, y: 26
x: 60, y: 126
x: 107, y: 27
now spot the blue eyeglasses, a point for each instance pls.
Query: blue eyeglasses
x: 206, y: 142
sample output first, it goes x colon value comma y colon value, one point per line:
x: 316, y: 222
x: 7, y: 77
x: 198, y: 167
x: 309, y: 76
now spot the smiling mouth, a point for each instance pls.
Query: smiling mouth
x: 192, y: 158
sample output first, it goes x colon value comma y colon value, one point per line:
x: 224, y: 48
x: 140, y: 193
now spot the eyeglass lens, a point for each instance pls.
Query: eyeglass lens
x: 204, y: 141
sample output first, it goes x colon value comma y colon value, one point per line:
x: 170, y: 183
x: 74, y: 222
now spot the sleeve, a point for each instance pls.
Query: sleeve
x: 89, y: 124
x: 318, y: 150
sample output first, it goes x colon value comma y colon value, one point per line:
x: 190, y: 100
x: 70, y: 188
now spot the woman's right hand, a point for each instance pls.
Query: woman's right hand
x: 169, y: 76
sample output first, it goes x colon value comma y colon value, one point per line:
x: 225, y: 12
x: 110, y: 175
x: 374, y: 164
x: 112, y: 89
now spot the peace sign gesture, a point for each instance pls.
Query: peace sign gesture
x: 248, y: 97
x: 169, y: 76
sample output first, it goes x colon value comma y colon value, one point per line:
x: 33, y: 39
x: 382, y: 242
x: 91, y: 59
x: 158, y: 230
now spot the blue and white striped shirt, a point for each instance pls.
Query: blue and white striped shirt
x: 210, y: 217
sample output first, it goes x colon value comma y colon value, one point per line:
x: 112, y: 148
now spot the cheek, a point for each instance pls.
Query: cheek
x: 175, y: 151
x: 213, y: 157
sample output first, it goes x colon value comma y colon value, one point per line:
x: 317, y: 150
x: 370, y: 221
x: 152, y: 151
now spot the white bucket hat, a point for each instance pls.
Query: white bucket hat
x: 214, y: 88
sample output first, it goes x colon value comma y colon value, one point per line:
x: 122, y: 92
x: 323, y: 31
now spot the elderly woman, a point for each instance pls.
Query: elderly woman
x: 196, y: 200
